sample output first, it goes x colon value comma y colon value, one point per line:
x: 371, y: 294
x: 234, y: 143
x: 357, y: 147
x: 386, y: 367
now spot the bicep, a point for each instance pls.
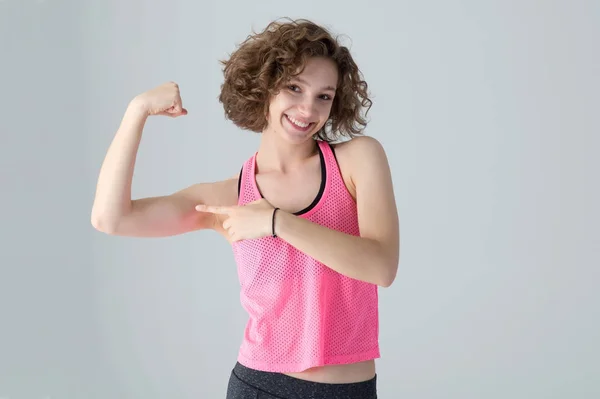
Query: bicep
x: 175, y: 214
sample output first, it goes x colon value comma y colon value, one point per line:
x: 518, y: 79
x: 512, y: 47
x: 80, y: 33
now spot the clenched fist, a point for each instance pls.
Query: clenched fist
x: 162, y: 100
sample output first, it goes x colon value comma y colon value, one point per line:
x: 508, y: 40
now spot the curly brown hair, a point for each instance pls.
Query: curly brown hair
x: 265, y: 61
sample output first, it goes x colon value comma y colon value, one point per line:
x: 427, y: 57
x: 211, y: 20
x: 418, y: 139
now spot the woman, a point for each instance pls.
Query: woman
x: 313, y: 224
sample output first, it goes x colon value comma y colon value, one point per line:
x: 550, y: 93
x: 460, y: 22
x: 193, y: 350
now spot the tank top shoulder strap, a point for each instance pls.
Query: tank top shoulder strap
x: 331, y: 164
x: 245, y: 181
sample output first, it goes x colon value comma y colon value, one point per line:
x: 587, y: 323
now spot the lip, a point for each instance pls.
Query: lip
x: 298, y: 128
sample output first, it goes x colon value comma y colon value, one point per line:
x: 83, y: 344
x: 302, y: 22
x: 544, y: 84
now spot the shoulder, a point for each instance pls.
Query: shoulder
x: 359, y: 147
x: 359, y: 158
x: 361, y: 153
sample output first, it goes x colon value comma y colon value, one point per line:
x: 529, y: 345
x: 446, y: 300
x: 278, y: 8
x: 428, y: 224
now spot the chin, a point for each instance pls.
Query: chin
x: 295, y: 137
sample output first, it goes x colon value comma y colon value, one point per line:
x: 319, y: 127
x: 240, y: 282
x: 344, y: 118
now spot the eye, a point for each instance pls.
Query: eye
x: 293, y: 88
x: 325, y: 97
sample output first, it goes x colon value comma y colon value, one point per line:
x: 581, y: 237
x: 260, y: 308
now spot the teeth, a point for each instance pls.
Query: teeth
x: 298, y: 123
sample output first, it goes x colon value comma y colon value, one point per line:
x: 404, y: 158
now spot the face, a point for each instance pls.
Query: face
x: 304, y: 103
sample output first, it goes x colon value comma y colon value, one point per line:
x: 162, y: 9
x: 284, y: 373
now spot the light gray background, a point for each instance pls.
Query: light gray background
x: 489, y: 114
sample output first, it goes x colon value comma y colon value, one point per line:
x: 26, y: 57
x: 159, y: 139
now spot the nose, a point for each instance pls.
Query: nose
x: 308, y: 108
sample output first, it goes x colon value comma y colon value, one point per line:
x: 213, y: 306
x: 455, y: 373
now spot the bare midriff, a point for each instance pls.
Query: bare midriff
x: 338, y: 374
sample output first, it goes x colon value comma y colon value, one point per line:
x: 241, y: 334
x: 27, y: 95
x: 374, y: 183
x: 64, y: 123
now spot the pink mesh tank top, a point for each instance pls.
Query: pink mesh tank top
x: 303, y: 314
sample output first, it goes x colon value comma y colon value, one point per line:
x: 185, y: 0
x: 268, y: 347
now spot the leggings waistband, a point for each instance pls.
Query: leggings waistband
x: 287, y: 387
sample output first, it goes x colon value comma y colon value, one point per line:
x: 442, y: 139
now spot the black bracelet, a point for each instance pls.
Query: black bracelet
x: 273, y: 223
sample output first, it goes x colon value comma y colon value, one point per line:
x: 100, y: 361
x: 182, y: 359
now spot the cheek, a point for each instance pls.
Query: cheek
x: 326, y: 110
x: 274, y: 109
x: 275, y: 113
x: 279, y: 104
x: 286, y: 101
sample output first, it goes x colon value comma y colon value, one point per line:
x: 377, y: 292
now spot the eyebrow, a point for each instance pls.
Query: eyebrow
x: 327, y: 88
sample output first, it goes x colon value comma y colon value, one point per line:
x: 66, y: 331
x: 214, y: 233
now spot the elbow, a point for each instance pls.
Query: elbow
x: 101, y: 224
x: 389, y: 272
x: 387, y: 279
x: 387, y: 259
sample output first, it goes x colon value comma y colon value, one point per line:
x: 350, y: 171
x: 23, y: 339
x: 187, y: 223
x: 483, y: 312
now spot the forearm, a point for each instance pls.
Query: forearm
x: 113, y: 189
x: 356, y: 257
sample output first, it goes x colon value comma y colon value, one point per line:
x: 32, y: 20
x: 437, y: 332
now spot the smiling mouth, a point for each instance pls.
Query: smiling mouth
x: 303, y: 126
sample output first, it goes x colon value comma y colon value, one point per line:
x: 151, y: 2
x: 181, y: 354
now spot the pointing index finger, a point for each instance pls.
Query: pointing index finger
x: 213, y: 209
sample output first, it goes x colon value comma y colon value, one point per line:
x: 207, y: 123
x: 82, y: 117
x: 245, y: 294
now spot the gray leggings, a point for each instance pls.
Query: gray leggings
x: 246, y: 383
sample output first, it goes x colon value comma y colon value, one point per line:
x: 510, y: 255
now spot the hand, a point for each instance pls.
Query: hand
x: 244, y: 222
x: 162, y: 100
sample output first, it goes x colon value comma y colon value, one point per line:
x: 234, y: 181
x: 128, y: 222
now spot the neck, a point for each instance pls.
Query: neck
x: 277, y: 154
